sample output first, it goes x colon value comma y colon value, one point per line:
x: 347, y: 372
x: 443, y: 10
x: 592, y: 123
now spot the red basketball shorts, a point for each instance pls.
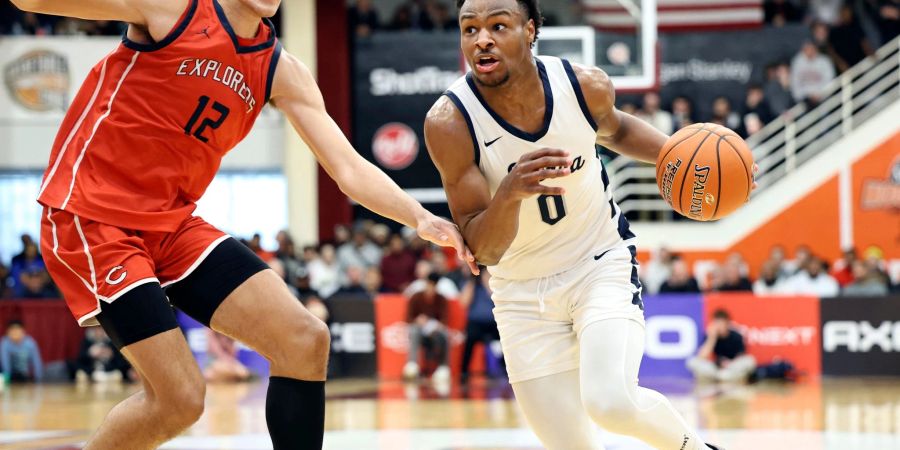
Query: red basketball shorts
x: 94, y: 263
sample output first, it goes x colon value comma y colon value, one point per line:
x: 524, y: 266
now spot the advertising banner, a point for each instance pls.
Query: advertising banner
x: 352, y: 335
x: 196, y: 335
x: 674, y: 328
x: 861, y: 336
x: 774, y: 328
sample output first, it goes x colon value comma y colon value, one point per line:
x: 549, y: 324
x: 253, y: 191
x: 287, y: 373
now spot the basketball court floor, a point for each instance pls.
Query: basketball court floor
x: 832, y: 414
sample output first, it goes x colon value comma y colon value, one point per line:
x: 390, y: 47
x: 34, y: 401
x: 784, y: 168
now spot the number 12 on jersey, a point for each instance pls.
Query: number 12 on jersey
x: 207, y: 122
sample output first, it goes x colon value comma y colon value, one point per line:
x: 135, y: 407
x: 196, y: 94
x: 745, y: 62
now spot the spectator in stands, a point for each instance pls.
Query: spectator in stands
x: 424, y: 269
x: 733, y: 279
x: 223, y: 365
x: 769, y: 281
x: 372, y: 281
x: 723, y: 355
x: 353, y: 284
x: 303, y: 285
x: 848, y: 40
x: 657, y: 270
x: 341, y: 235
x: 780, y: 12
x: 480, y: 324
x: 20, y: 356
x: 826, y: 11
x: 802, y: 256
x: 874, y: 258
x: 441, y: 266
x: 310, y: 254
x: 723, y: 114
x: 867, y: 282
x: 813, y: 279
x: 358, y: 252
x: 810, y: 74
x: 398, y: 265
x: 886, y: 14
x: 682, y: 112
x: 325, y: 272
x: 5, y: 289
x: 287, y: 254
x: 255, y: 244
x: 379, y: 235
x: 776, y: 257
x: 681, y: 280
x: 756, y: 111
x: 777, y: 89
x: 819, y: 36
x: 29, y: 274
x: 440, y: 16
x: 99, y: 360
x: 278, y: 267
x: 363, y: 18
x: 427, y: 319
x: 652, y: 114
x: 842, y: 270
x: 318, y: 308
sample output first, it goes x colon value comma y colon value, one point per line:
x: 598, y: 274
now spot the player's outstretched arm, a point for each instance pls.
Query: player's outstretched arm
x: 295, y: 92
x: 621, y: 132
x: 131, y: 11
x: 488, y: 224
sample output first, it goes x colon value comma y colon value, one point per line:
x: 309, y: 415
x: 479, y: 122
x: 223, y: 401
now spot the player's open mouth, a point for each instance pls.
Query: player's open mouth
x: 486, y: 63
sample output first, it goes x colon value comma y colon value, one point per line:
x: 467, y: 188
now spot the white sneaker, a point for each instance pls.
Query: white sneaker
x: 441, y: 374
x: 411, y: 370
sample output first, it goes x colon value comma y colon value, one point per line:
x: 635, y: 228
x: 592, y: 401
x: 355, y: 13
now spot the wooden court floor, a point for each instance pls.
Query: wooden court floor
x: 831, y: 414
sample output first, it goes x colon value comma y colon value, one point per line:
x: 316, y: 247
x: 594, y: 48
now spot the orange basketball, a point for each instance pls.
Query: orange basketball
x: 704, y: 172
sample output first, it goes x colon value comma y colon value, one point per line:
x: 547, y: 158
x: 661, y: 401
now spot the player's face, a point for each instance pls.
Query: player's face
x: 496, y: 39
x: 263, y: 8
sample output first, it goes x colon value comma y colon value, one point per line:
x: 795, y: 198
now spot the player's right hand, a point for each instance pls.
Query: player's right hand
x: 524, y: 179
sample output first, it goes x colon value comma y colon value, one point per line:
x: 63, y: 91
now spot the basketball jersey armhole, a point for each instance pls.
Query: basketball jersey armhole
x: 179, y: 28
x: 273, y: 64
x: 462, y: 109
x: 579, y: 94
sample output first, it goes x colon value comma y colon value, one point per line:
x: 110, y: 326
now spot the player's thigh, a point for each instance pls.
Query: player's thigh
x: 552, y: 406
x: 263, y: 314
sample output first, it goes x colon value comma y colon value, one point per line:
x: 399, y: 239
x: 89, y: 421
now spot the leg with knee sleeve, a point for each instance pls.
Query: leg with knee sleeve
x: 611, y: 353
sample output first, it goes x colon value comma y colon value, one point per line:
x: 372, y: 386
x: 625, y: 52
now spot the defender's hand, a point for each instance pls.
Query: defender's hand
x: 446, y: 234
x: 755, y: 173
x: 524, y: 180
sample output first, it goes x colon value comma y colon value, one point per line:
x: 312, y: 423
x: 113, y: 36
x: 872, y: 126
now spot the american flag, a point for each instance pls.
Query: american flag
x: 686, y: 15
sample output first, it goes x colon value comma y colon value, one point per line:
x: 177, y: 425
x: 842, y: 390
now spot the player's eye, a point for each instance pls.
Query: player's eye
x: 499, y: 27
x: 469, y: 30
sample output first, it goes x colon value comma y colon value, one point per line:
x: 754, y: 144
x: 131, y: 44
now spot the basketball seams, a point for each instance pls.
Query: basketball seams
x: 746, y: 169
x: 688, y: 169
x: 663, y: 158
x: 719, y: 184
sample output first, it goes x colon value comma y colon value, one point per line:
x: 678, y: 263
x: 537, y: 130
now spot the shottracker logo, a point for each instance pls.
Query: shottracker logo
x: 882, y: 194
x: 860, y: 336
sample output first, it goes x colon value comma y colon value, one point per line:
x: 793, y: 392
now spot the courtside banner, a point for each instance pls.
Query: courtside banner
x: 352, y: 335
x: 774, y: 328
x: 673, y: 334
x: 861, y: 336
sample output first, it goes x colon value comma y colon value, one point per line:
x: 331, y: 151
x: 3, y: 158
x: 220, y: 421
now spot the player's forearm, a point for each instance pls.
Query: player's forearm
x: 372, y: 188
x: 490, y: 233
x: 635, y: 138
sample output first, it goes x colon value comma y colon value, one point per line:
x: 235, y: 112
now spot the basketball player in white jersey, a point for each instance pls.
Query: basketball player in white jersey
x: 514, y: 141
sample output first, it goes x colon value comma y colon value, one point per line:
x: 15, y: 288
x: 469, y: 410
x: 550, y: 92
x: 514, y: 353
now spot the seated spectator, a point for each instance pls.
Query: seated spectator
x: 354, y: 282
x: 723, y: 355
x: 278, y: 267
x: 780, y: 12
x: 20, y: 356
x: 866, y: 282
x: 887, y: 18
x: 28, y: 272
x: 722, y: 114
x: 318, y: 308
x: 379, y: 235
x: 398, y: 265
x: 363, y: 19
x: 825, y: 11
x: 427, y: 319
x: 341, y: 235
x: 440, y: 16
x: 223, y: 365
x: 424, y: 269
x: 777, y: 89
x: 769, y: 281
x: 813, y: 279
x: 810, y: 74
x: 776, y: 257
x: 287, y: 253
x: 733, y: 279
x: 255, y: 244
x: 359, y: 252
x: 657, y: 270
x: 372, y: 281
x: 842, y: 269
x: 801, y: 257
x: 756, y: 108
x: 325, y: 272
x: 99, y: 360
x: 652, y: 114
x: 480, y: 323
x: 681, y: 280
x: 441, y: 266
x: 682, y: 112
x: 848, y: 40
x: 302, y: 284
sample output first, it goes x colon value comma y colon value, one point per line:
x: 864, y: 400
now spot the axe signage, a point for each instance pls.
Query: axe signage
x: 861, y: 336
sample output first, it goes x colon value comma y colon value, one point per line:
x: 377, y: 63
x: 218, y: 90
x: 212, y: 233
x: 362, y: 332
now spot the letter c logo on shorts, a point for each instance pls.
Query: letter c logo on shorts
x: 114, y: 281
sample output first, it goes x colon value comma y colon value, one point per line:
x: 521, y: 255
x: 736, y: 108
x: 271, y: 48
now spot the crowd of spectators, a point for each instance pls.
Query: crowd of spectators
x: 854, y: 274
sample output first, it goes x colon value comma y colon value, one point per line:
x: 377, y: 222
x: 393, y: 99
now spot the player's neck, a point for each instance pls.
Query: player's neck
x: 243, y: 20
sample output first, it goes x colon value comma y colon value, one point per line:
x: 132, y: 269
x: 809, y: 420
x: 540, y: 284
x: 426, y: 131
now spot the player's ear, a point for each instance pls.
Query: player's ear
x: 530, y: 31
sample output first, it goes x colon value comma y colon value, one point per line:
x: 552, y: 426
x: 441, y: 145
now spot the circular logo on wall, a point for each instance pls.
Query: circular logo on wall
x: 395, y: 146
x: 39, y: 80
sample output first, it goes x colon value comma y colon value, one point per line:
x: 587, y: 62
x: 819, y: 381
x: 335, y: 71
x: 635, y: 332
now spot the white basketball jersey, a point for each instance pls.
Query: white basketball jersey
x: 556, y: 233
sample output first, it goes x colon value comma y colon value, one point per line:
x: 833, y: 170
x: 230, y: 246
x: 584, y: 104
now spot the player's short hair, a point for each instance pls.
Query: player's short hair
x: 433, y: 278
x: 14, y: 323
x: 721, y: 314
x: 532, y: 7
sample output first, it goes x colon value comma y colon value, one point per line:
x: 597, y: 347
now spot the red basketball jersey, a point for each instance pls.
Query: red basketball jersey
x: 146, y: 133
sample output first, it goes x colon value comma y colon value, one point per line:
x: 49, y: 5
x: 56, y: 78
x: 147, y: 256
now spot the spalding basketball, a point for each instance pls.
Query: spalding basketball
x: 705, y: 171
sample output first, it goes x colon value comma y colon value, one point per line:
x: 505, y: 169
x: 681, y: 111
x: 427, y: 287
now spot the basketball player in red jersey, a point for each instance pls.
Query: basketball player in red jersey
x: 138, y: 147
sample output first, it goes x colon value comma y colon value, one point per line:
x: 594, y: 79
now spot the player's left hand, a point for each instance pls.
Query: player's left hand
x: 446, y: 234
